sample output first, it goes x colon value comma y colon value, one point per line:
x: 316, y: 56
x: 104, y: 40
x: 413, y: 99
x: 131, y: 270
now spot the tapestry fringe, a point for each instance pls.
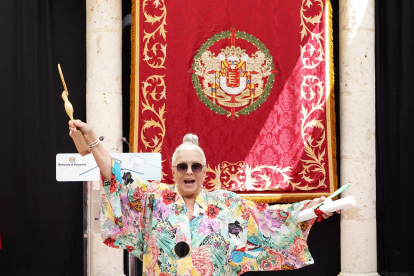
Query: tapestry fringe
x: 332, y: 98
x: 273, y: 199
x: 132, y: 122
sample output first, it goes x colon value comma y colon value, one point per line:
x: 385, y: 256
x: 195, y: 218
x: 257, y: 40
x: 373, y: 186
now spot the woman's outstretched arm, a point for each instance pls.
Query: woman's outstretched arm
x: 102, y: 157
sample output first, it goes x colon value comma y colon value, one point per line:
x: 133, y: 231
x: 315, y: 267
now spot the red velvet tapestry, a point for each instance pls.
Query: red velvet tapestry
x: 254, y: 81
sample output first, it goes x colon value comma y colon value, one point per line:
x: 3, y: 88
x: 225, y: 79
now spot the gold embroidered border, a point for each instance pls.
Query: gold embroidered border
x: 154, y: 54
x: 241, y: 176
x: 316, y: 157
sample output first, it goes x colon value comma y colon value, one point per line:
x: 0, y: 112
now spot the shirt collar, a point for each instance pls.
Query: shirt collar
x: 200, y: 202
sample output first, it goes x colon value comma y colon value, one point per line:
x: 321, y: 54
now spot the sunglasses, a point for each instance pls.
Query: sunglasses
x: 195, y: 168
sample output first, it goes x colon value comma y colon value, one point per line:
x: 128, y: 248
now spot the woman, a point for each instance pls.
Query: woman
x: 185, y: 230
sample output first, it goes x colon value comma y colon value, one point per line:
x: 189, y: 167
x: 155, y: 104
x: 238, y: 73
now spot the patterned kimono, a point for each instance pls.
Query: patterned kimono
x: 227, y: 235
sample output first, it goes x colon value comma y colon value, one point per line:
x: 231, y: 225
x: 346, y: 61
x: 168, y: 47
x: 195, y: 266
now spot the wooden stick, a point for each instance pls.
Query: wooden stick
x: 65, y: 94
x: 77, y: 136
x: 63, y: 80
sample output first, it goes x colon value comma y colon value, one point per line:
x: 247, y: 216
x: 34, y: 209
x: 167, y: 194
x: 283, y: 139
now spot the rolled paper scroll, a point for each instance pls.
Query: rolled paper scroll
x: 331, y: 207
x: 337, y: 192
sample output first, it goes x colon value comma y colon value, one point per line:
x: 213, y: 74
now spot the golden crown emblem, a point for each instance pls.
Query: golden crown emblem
x: 232, y: 51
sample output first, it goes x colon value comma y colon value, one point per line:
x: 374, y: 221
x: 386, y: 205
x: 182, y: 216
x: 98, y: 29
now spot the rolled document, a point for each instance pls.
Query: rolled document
x: 331, y: 207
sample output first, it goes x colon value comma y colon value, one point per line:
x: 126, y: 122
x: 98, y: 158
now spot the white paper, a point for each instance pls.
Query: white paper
x: 331, y: 207
x: 74, y: 167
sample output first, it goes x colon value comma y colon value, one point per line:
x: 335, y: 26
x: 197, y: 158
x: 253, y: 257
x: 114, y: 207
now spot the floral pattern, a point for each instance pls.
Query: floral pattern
x: 227, y: 235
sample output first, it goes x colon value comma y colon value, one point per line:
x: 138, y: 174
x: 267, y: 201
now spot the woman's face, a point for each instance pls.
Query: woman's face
x: 189, y: 184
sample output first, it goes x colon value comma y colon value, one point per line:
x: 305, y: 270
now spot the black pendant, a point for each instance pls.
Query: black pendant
x: 182, y: 249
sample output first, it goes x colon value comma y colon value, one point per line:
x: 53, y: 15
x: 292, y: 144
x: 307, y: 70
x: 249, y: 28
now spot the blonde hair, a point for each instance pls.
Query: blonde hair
x: 190, y: 142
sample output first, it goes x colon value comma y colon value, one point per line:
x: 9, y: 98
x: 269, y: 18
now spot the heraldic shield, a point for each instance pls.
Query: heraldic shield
x: 233, y: 73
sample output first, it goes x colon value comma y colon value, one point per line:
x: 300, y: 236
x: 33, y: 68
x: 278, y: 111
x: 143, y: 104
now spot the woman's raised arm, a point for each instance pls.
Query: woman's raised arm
x: 102, y: 157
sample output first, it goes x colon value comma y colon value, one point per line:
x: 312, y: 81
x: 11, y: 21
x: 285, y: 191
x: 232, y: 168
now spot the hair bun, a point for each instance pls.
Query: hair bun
x: 190, y: 138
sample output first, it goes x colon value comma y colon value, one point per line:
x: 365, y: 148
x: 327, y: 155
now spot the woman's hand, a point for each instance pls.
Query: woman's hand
x: 102, y: 157
x: 88, y: 133
x: 316, y: 201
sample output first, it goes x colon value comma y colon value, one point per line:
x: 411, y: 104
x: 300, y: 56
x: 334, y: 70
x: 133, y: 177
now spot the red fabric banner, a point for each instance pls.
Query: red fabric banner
x: 252, y: 79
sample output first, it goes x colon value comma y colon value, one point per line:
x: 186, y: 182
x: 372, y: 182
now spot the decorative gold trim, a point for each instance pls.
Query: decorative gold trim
x: 159, y: 63
x: 157, y: 120
x: 153, y: 81
x: 134, y: 94
x: 245, y: 178
x: 155, y: 62
x: 281, y: 198
x: 305, y: 31
x: 330, y: 100
x: 315, y: 163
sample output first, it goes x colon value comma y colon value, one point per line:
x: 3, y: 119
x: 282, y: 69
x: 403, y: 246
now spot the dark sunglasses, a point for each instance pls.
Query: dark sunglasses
x: 183, y: 167
x: 182, y: 249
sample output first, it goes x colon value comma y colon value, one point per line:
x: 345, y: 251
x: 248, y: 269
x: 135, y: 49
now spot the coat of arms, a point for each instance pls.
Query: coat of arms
x: 233, y: 80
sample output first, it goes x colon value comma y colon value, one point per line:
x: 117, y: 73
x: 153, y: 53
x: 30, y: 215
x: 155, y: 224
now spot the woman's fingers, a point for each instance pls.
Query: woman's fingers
x: 314, y: 202
x: 88, y: 133
x: 327, y: 215
x: 78, y: 124
x: 326, y: 201
x: 75, y: 125
x: 72, y: 128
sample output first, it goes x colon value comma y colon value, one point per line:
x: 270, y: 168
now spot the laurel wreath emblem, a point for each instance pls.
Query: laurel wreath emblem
x: 205, y: 60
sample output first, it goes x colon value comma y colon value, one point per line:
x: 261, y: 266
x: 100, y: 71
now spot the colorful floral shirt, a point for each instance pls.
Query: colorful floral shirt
x: 227, y: 235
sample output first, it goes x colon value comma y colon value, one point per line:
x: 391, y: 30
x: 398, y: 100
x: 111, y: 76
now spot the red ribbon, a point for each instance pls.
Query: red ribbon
x: 319, y: 213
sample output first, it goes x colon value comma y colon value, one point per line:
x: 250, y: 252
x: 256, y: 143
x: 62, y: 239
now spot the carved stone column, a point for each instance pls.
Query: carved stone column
x: 103, y: 113
x: 357, y: 138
